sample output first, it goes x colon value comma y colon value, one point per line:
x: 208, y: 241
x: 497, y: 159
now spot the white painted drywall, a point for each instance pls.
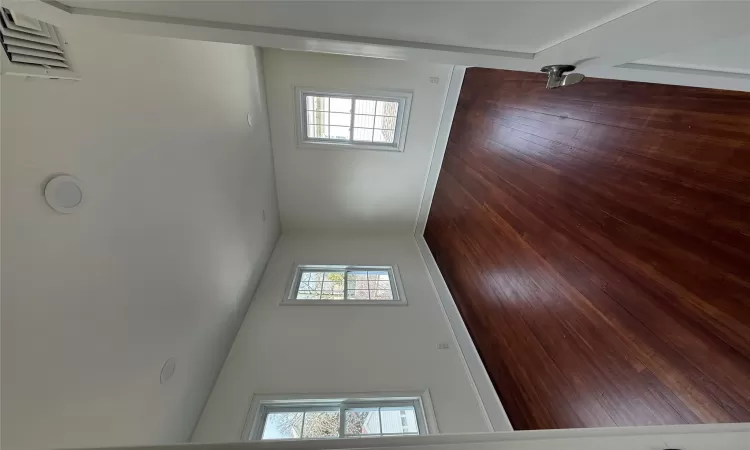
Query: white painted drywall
x: 362, y: 190
x: 160, y: 259
x: 522, y: 26
x: 725, y: 55
x: 724, y: 436
x: 306, y: 349
x: 515, y: 35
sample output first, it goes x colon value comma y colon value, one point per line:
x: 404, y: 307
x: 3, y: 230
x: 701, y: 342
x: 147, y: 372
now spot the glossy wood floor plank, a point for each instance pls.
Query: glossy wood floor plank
x: 596, y: 239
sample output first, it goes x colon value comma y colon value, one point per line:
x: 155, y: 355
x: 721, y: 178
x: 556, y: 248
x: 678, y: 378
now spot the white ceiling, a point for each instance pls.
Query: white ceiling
x: 160, y: 258
x: 605, y: 39
x: 522, y: 26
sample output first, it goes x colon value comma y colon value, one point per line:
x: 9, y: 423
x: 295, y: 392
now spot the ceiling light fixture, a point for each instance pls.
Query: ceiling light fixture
x: 557, y: 78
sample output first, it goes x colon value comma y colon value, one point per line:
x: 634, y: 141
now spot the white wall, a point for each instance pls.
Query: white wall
x: 159, y: 260
x: 342, y: 349
x: 522, y: 26
x: 725, y: 55
x: 723, y: 436
x: 333, y: 189
x: 514, y: 35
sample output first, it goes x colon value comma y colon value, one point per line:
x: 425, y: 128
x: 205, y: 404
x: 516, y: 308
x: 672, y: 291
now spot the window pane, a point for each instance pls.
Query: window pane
x: 362, y: 134
x: 286, y: 425
x: 364, y: 121
x: 309, y: 285
x: 332, y: 291
x: 341, y: 104
x: 315, y: 103
x: 315, y: 276
x: 387, y: 109
x: 333, y: 283
x: 320, y: 424
x: 385, y: 123
x: 358, y: 294
x: 398, y: 420
x: 357, y: 280
x: 333, y: 287
x: 365, y: 106
x: 317, y: 117
x: 381, y: 294
x: 310, y: 281
x: 334, y: 276
x: 341, y: 119
x: 381, y: 275
x: 316, y: 419
x: 362, y: 421
x: 383, y: 285
x: 339, y: 133
x: 317, y: 131
x: 383, y: 136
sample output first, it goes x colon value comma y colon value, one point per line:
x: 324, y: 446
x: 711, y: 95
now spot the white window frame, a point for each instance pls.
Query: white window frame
x: 399, y: 298
x: 261, y: 405
x: 402, y: 119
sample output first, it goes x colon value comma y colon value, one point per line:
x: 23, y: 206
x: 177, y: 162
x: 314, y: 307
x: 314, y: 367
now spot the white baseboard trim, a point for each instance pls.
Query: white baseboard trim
x: 438, y: 151
x: 494, y: 413
x: 497, y: 419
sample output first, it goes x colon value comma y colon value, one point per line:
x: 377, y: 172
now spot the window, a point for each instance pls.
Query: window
x: 369, y: 121
x: 338, y: 418
x: 345, y: 285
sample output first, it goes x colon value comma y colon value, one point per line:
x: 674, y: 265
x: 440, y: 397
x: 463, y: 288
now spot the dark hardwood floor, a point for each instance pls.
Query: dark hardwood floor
x: 596, y: 239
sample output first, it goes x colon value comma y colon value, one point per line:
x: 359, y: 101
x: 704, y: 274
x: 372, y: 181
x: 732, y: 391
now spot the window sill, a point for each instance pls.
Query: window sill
x: 402, y: 302
x: 313, y: 145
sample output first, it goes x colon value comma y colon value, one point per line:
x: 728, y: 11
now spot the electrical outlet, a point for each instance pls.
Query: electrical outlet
x: 443, y: 346
x: 434, y: 80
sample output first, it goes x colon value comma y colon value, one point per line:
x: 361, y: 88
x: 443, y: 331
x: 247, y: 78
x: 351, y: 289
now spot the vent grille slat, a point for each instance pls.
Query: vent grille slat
x: 30, y: 26
x: 31, y: 52
x: 15, y: 57
x: 8, y: 41
x: 27, y: 37
x: 25, y: 22
x: 31, y: 42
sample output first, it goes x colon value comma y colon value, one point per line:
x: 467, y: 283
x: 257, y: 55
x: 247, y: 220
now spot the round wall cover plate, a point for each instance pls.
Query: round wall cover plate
x: 63, y: 193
